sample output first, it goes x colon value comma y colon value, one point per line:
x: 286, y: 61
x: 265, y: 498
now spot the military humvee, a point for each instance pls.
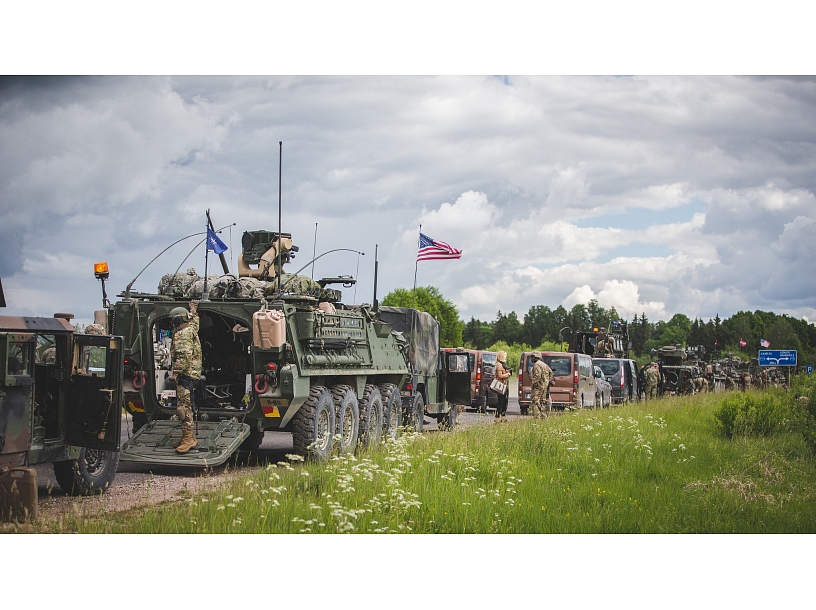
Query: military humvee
x: 677, y: 374
x: 617, y: 337
x: 280, y: 353
x: 60, y: 400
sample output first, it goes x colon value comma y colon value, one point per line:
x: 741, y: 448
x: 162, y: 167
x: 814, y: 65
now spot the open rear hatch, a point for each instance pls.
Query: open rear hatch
x: 153, y: 443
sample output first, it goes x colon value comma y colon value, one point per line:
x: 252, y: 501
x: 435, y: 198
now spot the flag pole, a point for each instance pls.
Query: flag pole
x: 204, y: 293
x: 416, y: 266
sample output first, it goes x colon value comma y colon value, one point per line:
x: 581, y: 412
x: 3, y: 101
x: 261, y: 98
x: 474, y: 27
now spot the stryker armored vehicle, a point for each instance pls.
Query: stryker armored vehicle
x: 616, y: 338
x: 676, y: 372
x: 279, y: 353
x: 60, y: 401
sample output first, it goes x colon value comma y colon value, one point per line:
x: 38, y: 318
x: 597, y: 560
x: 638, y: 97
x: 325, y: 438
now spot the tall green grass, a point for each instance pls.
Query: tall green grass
x: 662, y: 466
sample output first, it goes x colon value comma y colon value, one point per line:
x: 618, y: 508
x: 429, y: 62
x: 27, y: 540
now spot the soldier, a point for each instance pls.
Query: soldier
x: 747, y: 382
x: 603, y: 348
x: 700, y: 384
x: 540, y: 376
x: 186, y: 357
x: 729, y: 382
x: 651, y: 375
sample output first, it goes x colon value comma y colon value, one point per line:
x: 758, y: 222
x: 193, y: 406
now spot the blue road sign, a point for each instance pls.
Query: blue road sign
x: 777, y: 357
x: 809, y: 369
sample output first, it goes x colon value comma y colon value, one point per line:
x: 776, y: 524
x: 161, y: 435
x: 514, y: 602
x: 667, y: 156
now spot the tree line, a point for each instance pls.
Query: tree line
x: 541, y: 324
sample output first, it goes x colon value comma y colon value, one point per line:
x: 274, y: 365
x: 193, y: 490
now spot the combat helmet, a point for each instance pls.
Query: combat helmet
x: 181, y: 313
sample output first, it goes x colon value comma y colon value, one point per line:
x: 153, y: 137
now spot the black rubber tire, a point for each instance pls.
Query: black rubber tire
x: 313, y: 425
x: 415, y: 417
x: 448, y: 420
x: 392, y: 409
x: 371, y: 417
x: 482, y: 408
x: 91, y: 473
x: 347, y: 417
x: 524, y: 409
x: 253, y: 441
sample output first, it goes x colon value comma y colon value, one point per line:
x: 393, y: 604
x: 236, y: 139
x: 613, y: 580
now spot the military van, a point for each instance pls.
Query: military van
x: 574, y: 384
x: 60, y: 401
x: 621, y: 374
x: 482, y: 374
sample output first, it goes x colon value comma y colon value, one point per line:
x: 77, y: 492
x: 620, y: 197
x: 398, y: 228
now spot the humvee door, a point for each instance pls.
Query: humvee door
x: 153, y: 443
x: 16, y: 380
x: 456, y: 383
x: 93, y: 418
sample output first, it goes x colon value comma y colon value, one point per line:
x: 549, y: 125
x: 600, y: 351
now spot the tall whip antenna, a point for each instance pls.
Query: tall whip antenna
x: 280, y: 236
x: 314, y: 251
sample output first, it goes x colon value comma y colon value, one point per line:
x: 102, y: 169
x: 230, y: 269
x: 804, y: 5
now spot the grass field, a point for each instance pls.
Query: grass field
x: 657, y: 467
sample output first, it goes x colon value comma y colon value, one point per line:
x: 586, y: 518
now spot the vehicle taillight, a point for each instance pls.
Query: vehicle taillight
x: 621, y: 374
x: 409, y: 387
x: 575, y: 379
x: 520, y: 378
x: 271, y: 366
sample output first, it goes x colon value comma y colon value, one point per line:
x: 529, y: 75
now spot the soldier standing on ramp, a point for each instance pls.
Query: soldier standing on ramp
x: 186, y: 357
x: 540, y: 375
x: 652, y: 374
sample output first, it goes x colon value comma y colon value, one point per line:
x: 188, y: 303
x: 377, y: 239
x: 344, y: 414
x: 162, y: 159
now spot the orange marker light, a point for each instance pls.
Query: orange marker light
x: 100, y: 267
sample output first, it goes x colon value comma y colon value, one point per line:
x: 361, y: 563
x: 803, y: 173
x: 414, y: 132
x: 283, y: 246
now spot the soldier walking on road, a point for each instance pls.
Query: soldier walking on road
x: 651, y: 375
x: 540, y: 375
x: 186, y: 357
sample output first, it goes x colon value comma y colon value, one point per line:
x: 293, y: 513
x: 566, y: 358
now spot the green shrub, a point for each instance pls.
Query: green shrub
x: 756, y: 414
x: 804, y: 386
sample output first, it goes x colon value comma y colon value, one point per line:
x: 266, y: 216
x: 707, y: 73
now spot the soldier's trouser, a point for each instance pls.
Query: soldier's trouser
x: 539, y: 403
x: 184, y: 410
x: 651, y: 391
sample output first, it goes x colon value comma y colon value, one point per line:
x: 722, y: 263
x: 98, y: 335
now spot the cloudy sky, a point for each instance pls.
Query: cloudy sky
x: 652, y: 194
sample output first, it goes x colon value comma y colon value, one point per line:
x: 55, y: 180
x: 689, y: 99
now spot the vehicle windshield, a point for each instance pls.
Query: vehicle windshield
x: 560, y: 365
x: 609, y: 367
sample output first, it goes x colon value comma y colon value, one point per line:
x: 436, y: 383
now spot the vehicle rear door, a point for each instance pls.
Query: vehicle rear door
x: 93, y: 416
x: 456, y: 377
x: 16, y: 385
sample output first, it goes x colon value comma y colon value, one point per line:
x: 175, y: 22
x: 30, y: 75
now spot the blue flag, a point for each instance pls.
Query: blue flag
x: 215, y: 244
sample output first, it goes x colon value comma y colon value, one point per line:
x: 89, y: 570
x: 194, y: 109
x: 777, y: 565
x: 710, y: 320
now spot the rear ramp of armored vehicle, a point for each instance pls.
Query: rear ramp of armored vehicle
x: 153, y: 443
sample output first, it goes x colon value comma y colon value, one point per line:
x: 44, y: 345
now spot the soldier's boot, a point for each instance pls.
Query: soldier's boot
x: 188, y: 442
x: 178, y: 442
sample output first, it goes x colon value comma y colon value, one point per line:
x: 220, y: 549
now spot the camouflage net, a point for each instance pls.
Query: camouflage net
x: 191, y: 286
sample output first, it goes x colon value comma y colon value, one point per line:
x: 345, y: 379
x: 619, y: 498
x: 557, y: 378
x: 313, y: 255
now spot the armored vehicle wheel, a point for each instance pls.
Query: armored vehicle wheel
x: 313, y: 425
x: 448, y: 420
x: 89, y: 474
x: 253, y: 441
x: 415, y: 416
x: 371, y: 417
x: 392, y: 409
x: 347, y: 414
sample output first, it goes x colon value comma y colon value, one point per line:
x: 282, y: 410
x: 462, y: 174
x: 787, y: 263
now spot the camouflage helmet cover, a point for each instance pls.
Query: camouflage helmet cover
x: 180, y: 311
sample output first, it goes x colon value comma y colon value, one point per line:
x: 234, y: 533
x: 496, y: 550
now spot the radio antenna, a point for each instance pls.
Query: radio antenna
x: 280, y: 235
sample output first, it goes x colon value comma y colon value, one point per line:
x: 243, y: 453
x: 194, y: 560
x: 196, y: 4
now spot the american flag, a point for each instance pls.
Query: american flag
x: 430, y: 250
x: 764, y: 343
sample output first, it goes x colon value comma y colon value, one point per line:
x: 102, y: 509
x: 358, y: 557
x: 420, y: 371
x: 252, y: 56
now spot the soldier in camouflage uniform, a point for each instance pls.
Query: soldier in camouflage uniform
x: 186, y: 357
x: 652, y: 376
x: 540, y: 376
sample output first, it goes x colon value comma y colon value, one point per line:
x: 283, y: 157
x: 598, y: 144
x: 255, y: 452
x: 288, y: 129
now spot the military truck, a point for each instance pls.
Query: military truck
x: 439, y: 380
x: 280, y: 352
x: 60, y: 401
x: 617, y: 338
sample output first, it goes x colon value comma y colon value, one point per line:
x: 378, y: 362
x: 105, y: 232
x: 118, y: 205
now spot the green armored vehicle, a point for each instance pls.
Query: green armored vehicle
x: 279, y: 353
x: 60, y: 401
x: 676, y: 373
